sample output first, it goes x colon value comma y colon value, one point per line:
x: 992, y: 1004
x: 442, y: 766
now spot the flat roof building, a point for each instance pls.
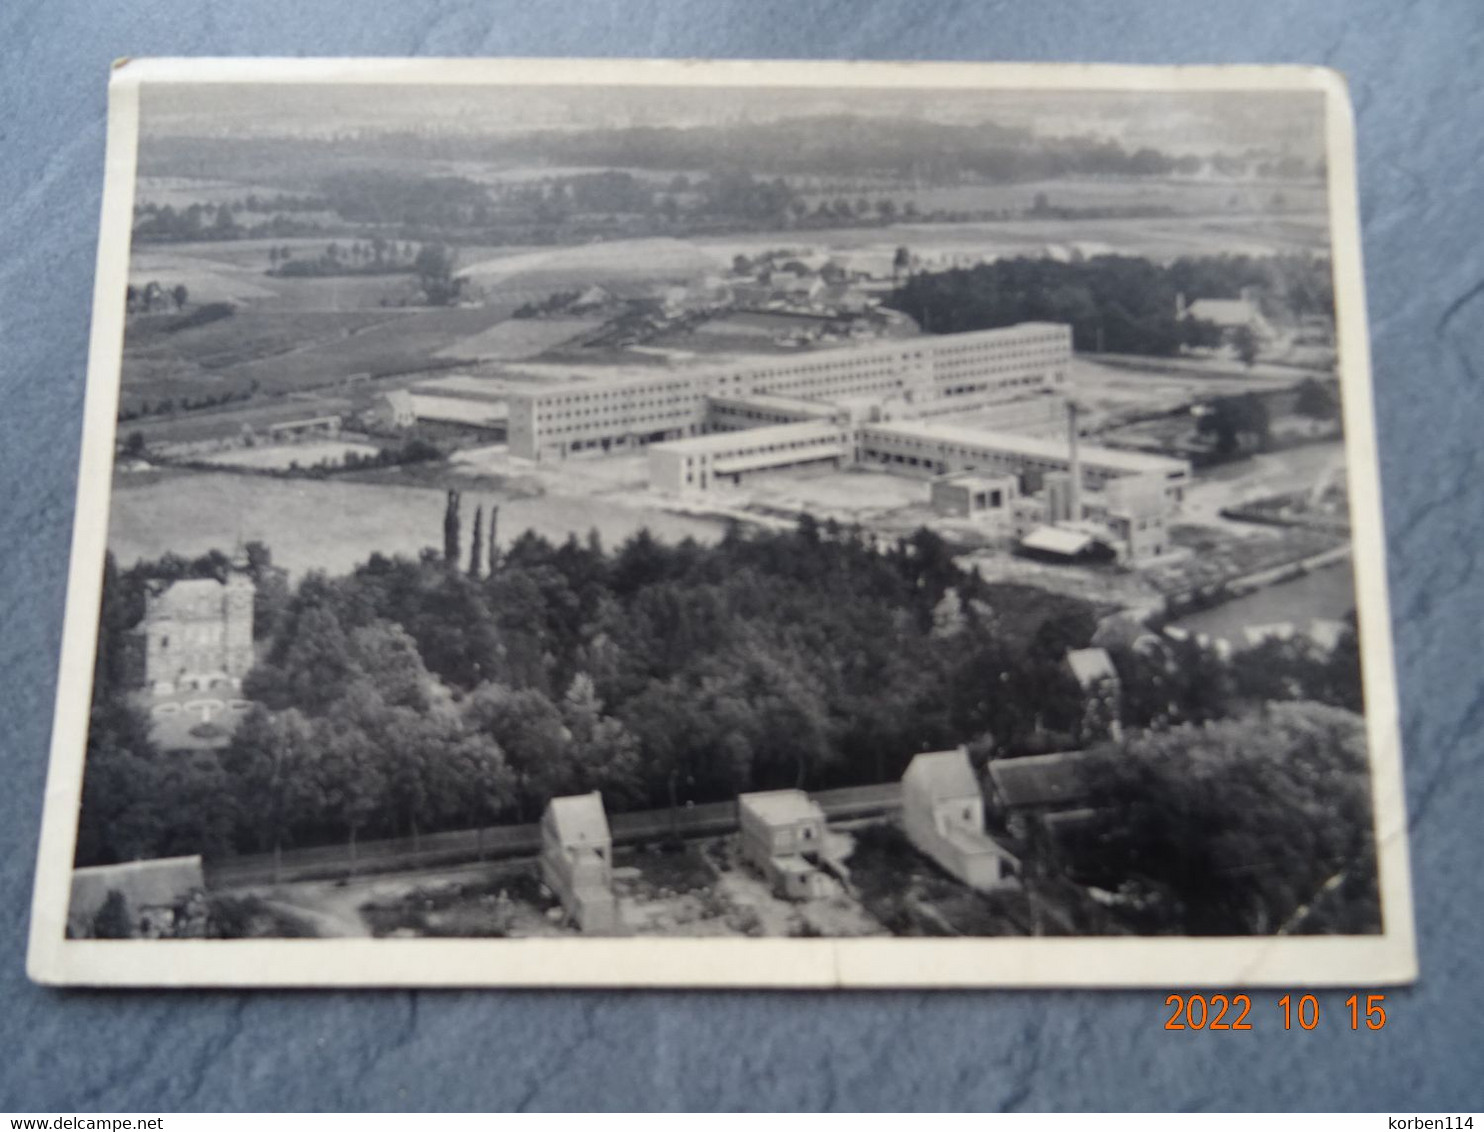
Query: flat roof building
x: 952, y: 444
x: 698, y: 464
x: 783, y: 835
x: 608, y: 408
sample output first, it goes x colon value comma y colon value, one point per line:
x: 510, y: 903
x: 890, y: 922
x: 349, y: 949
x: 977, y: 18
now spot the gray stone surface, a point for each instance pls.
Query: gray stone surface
x: 1419, y: 94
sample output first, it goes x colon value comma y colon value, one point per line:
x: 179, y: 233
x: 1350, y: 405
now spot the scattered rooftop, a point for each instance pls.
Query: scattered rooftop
x: 159, y: 883
x: 1091, y: 665
x: 944, y: 774
x: 1057, y: 540
x: 781, y: 807
x: 1057, y: 780
x: 752, y: 439
x: 580, y: 819
x: 1032, y: 446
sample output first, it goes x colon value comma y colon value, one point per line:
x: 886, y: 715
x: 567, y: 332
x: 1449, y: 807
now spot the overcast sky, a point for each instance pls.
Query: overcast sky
x: 1175, y: 121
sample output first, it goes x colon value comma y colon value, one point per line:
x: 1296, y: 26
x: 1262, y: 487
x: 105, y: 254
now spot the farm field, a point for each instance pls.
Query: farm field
x: 1182, y: 196
x: 191, y: 428
x: 252, y: 347
x: 286, y: 455
x: 404, y: 345
x: 1167, y: 238
x: 611, y: 261
x: 247, y: 335
x: 335, y: 525
x: 518, y: 338
x: 182, y: 192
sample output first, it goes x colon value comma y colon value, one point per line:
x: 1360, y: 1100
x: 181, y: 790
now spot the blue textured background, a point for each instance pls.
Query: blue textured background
x: 1418, y: 87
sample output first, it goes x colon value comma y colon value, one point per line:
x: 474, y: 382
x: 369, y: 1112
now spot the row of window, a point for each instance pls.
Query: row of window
x: 761, y: 449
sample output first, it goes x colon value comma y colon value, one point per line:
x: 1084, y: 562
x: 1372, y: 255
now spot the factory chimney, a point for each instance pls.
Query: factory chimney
x: 1074, y: 493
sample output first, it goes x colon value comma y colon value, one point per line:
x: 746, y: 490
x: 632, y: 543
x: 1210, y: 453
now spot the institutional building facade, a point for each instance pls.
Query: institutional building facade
x: 934, y: 448
x: 924, y: 375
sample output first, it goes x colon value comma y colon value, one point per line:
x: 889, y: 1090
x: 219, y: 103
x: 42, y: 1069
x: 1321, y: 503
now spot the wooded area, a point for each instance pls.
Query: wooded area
x: 1114, y: 304
x: 447, y: 692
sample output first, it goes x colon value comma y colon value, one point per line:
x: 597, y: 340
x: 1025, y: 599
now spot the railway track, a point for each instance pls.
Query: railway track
x: 492, y: 843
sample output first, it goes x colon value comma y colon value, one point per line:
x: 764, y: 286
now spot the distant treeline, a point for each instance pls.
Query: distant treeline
x: 224, y: 221
x: 1117, y: 304
x: 844, y: 145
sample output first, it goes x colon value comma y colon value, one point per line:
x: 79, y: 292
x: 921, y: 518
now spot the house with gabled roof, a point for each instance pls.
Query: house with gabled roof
x: 1053, y: 791
x: 943, y: 812
x: 577, y: 861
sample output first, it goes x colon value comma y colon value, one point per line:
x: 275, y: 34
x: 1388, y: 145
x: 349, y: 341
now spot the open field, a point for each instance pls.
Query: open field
x: 1166, y: 238
x: 230, y: 422
x: 624, y: 261
x: 182, y: 192
x: 1185, y: 196
x: 405, y: 345
x: 519, y: 338
x: 1292, y: 469
x: 235, y: 353
x: 286, y: 455
x: 335, y: 525
x: 246, y: 336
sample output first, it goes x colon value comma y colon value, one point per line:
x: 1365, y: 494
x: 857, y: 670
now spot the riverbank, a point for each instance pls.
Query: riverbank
x: 1321, y: 588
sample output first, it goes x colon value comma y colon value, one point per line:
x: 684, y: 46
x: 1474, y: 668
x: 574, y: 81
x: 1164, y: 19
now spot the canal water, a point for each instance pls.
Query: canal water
x: 1326, y: 594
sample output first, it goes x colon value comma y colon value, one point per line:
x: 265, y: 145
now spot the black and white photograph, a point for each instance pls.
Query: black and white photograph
x: 737, y: 524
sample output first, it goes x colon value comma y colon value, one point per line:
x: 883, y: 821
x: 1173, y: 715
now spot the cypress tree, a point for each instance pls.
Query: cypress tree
x: 451, y: 529
x: 476, y: 543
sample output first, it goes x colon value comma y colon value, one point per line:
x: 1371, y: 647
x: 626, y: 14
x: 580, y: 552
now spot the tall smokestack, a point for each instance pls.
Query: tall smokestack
x: 1074, y: 495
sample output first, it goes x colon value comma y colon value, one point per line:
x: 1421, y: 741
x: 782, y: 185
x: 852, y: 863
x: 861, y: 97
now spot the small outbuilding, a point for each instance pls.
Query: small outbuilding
x: 1055, y: 792
x: 156, y: 897
x: 577, y: 861
x: 1102, y: 693
x: 973, y: 497
x: 396, y: 409
x: 943, y: 811
x: 1064, y: 544
x: 784, y: 837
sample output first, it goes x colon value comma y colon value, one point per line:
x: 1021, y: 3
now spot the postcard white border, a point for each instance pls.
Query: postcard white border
x: 1386, y: 959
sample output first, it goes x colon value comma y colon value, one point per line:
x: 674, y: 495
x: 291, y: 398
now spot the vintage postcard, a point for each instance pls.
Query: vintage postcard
x: 643, y: 523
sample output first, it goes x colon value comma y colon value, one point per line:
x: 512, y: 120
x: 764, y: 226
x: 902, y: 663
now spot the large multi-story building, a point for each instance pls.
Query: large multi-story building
x: 925, y: 376
x: 198, y: 633
x: 714, y: 426
x: 701, y: 463
x: 620, y: 412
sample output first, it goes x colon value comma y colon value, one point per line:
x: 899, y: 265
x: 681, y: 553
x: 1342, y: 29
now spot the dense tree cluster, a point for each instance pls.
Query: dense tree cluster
x: 373, y: 196
x: 228, y: 220
x: 1260, y: 825
x: 1117, y: 304
x: 659, y: 674
x: 1239, y: 423
x: 376, y: 256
